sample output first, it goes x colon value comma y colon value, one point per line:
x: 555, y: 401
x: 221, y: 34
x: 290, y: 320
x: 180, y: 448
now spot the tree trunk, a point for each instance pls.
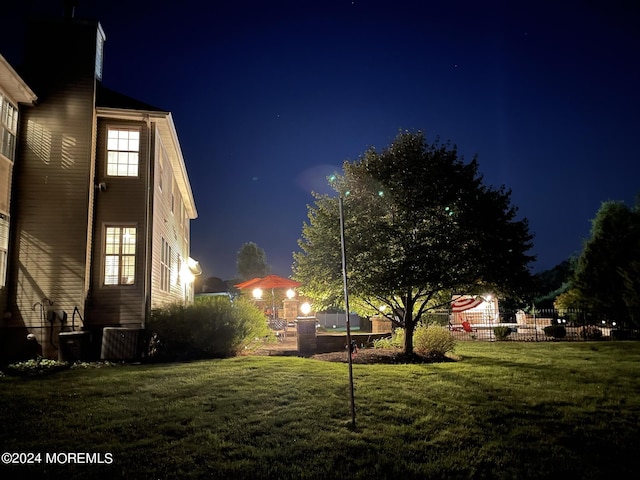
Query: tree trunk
x: 409, y: 327
x: 409, y: 324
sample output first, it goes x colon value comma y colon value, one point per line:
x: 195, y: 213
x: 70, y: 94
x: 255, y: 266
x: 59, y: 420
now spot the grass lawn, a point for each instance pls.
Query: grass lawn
x: 504, y: 410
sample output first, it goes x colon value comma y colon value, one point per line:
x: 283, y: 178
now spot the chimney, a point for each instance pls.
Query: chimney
x: 69, y: 8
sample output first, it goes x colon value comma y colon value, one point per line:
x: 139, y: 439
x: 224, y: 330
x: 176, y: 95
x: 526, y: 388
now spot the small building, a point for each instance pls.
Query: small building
x: 102, y: 204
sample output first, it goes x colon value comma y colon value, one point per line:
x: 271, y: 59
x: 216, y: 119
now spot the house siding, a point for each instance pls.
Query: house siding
x: 52, y: 181
x: 166, y: 225
x: 122, y: 203
x: 59, y: 214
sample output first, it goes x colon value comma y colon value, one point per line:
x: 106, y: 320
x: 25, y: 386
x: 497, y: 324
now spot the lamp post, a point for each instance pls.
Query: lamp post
x: 346, y: 307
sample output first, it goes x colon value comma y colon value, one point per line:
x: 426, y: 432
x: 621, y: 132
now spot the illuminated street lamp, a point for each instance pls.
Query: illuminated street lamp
x: 305, y: 308
x: 291, y: 293
x: 257, y: 293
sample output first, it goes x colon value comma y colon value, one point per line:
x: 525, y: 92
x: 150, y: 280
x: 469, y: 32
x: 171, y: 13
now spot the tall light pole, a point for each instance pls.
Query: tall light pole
x: 346, y: 307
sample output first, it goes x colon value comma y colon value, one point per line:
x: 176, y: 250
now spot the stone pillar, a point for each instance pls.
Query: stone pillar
x: 381, y: 325
x: 306, y: 335
x: 290, y: 309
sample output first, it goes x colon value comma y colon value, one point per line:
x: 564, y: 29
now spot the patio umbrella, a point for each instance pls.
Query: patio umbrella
x: 272, y: 281
x: 269, y: 282
x: 248, y: 283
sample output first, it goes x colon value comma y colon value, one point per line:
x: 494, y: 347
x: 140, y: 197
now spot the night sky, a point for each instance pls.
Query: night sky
x: 269, y: 97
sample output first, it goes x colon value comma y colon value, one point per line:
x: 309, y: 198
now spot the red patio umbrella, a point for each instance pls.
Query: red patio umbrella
x: 248, y: 283
x: 269, y: 282
x: 272, y: 281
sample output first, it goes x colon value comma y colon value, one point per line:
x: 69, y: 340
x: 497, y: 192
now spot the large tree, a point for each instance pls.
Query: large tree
x: 419, y: 226
x: 607, y: 275
x: 251, y: 261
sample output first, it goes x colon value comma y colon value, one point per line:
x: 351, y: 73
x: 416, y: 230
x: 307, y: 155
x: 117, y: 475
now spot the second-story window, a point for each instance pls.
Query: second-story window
x: 123, y: 151
x: 165, y: 266
x: 8, y: 128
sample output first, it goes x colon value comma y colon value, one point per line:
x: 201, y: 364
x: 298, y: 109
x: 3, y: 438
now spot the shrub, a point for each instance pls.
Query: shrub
x: 501, y: 332
x: 433, y: 341
x: 210, y: 328
x: 589, y: 332
x: 623, y: 335
x: 555, y: 331
x: 396, y: 340
x: 38, y: 366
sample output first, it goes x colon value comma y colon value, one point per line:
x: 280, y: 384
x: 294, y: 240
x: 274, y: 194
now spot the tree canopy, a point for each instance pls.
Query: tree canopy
x: 607, y: 275
x: 420, y: 225
x: 251, y: 262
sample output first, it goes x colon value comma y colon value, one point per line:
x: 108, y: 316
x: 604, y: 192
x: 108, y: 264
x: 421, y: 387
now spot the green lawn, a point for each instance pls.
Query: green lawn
x: 504, y: 410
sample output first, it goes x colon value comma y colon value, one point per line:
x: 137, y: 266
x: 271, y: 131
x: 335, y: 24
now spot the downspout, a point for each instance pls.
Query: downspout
x: 148, y: 226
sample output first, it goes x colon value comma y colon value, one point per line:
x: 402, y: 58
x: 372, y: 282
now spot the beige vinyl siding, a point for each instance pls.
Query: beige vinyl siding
x: 167, y: 226
x: 52, y: 184
x: 122, y: 203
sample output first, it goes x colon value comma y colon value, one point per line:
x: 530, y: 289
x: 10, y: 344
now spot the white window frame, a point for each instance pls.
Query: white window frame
x: 165, y: 266
x: 123, y: 152
x: 120, y: 250
x: 8, y: 127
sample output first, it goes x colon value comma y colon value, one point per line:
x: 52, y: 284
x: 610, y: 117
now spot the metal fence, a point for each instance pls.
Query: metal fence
x: 537, y: 325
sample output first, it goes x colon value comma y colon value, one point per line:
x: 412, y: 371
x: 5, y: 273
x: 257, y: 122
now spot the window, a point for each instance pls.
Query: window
x: 173, y: 197
x: 123, y: 149
x: 161, y: 169
x: 8, y: 128
x: 120, y: 256
x: 4, y: 245
x: 165, y: 266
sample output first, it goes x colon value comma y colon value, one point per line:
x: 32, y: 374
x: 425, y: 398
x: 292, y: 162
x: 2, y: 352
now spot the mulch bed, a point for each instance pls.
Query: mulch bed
x: 375, y: 356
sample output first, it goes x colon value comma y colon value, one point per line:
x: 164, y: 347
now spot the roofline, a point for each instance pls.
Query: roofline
x: 168, y: 132
x: 16, y: 88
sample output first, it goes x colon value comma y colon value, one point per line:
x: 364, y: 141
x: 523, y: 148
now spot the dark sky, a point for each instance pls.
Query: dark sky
x: 269, y: 97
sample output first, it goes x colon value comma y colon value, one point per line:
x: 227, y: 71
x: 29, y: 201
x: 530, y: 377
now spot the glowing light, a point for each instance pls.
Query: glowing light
x: 305, y: 308
x: 291, y: 293
x: 257, y: 293
x: 186, y: 274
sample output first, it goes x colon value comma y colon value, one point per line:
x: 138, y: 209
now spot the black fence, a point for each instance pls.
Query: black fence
x: 538, y: 325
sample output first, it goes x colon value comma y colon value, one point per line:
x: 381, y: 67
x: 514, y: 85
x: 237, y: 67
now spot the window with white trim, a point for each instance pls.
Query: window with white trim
x: 165, y: 266
x: 173, y: 197
x: 123, y: 152
x: 120, y: 255
x: 4, y: 245
x: 8, y: 128
x: 161, y: 160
